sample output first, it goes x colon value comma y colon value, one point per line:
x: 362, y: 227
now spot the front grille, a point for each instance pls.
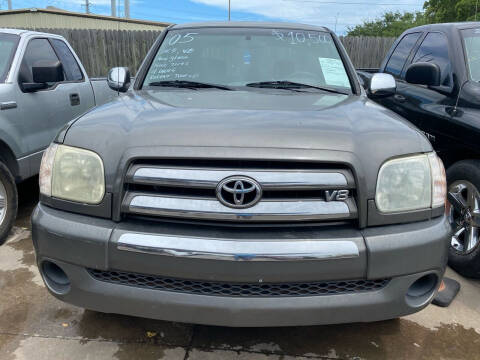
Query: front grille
x: 197, y: 287
x: 290, y: 192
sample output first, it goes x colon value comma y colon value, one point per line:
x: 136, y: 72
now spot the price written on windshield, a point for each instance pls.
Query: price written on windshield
x: 173, y: 59
x: 302, y: 37
x: 179, y: 39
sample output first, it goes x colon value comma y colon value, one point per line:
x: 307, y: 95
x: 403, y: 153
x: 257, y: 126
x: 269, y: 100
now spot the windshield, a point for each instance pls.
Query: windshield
x: 471, y: 38
x: 239, y: 57
x: 8, y: 45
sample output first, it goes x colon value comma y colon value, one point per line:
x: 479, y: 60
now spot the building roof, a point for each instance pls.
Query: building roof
x: 83, y: 15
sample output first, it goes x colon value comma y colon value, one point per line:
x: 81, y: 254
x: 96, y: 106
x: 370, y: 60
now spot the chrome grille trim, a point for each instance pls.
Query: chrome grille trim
x: 206, y: 208
x: 237, y: 250
x: 291, y: 191
x: 268, y: 179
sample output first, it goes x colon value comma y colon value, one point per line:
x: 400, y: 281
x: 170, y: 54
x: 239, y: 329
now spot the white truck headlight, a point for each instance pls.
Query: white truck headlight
x: 411, y: 183
x: 73, y: 174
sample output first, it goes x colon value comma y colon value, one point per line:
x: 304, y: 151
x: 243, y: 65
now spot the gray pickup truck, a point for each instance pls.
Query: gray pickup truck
x: 246, y: 180
x: 42, y: 86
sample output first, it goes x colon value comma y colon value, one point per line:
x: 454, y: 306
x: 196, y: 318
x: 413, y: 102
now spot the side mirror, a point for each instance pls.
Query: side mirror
x: 47, y: 72
x: 382, y: 85
x: 119, y: 79
x: 43, y: 73
x: 423, y: 73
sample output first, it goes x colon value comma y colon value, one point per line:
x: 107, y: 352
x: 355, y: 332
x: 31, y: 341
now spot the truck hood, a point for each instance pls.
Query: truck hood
x: 281, y: 120
x: 244, y: 119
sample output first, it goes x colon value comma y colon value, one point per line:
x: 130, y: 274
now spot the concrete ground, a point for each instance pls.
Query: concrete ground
x: 34, y: 325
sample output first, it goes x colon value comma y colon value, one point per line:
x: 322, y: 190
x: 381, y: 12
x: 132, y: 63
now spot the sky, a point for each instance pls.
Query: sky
x: 337, y: 15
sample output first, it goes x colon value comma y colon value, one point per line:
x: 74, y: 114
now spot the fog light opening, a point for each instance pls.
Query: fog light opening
x: 421, y: 290
x: 55, y: 278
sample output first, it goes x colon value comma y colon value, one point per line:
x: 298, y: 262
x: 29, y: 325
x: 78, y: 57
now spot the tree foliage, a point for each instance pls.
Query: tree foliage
x: 435, y: 11
x: 441, y: 11
x: 390, y: 24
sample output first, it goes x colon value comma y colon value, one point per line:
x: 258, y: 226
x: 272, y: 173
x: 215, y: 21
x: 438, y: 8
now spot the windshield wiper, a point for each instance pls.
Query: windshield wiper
x: 285, y: 84
x: 188, y: 84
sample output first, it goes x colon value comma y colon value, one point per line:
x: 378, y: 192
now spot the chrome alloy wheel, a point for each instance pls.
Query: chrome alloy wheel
x: 464, y: 216
x: 3, y: 203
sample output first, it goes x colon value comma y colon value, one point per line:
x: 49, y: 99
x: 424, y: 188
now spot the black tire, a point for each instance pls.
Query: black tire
x: 11, y: 207
x: 467, y: 263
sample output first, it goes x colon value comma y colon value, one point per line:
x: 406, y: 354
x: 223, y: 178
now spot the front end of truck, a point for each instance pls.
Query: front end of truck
x: 242, y: 208
x: 295, y: 258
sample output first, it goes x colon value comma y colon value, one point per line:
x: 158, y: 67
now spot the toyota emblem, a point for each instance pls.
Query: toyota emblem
x: 239, y: 192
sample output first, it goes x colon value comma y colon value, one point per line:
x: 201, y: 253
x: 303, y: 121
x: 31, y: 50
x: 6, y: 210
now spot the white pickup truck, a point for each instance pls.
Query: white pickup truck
x: 43, y: 85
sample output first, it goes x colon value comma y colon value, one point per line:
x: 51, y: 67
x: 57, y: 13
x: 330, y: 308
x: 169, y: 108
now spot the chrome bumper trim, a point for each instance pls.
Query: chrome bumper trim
x: 209, y: 178
x: 264, y: 211
x: 237, y: 250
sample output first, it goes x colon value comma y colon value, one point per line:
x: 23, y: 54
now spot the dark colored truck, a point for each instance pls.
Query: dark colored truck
x: 437, y: 70
x: 245, y: 180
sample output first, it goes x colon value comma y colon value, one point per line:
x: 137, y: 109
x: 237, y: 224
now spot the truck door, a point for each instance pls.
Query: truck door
x: 394, y: 66
x: 426, y: 106
x: 466, y: 117
x: 76, y: 83
x: 43, y: 113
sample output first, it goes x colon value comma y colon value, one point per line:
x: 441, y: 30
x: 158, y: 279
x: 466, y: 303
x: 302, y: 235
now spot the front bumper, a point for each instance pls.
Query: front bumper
x: 402, y: 253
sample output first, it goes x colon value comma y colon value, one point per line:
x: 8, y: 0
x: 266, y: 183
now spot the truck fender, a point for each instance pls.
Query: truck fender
x: 7, y: 156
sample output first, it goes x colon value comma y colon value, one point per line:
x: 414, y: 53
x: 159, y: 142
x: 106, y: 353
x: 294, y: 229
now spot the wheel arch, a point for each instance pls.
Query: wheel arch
x: 450, y: 158
x: 8, y: 158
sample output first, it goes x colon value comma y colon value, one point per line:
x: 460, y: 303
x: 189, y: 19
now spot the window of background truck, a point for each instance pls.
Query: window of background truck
x: 471, y: 39
x: 400, y: 54
x: 37, y: 50
x: 70, y: 65
x: 434, y: 49
x: 8, y: 46
x: 239, y: 56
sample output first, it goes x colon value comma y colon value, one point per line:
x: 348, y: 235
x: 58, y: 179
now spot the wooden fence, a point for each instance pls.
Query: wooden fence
x: 367, y: 52
x: 100, y: 50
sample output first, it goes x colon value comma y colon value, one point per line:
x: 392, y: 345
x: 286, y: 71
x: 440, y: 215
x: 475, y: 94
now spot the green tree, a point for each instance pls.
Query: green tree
x: 438, y: 11
x: 391, y: 24
x: 441, y: 11
x: 466, y: 10
x: 435, y: 11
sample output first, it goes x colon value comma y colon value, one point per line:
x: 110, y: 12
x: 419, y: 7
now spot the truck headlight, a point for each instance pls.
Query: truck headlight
x: 411, y: 183
x: 73, y: 174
